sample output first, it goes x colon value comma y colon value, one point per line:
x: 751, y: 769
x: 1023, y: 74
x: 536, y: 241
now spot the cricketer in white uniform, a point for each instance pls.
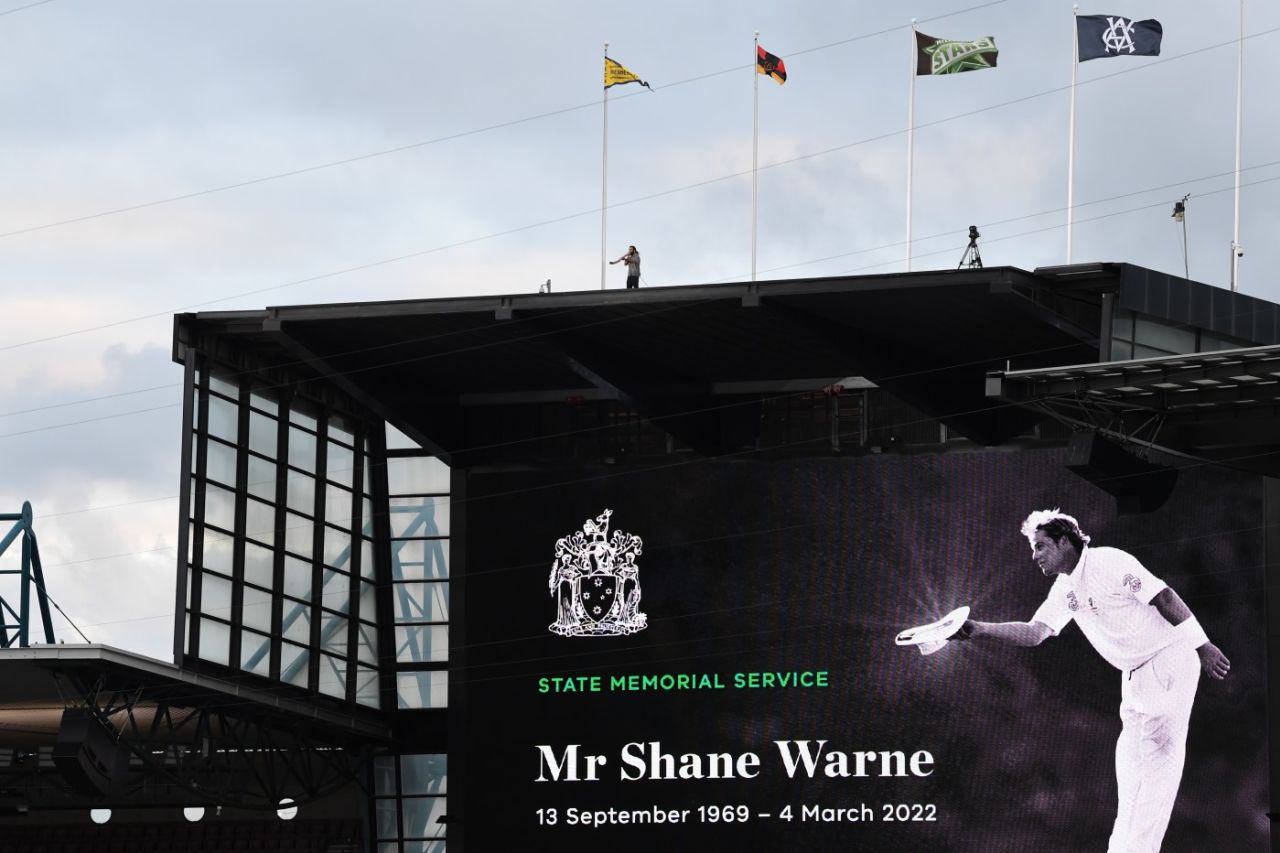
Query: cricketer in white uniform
x: 1142, y: 628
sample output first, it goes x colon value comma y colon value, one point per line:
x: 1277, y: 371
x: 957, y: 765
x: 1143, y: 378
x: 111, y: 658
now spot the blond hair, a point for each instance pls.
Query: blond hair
x: 1056, y: 524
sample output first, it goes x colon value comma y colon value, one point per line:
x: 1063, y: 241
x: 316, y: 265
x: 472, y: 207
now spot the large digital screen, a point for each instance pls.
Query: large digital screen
x: 703, y: 656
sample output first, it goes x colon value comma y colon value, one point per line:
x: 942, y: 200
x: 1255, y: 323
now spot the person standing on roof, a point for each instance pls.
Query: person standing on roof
x: 632, y: 257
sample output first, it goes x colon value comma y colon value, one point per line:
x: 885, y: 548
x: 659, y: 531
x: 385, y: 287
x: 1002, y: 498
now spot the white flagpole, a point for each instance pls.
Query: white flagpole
x: 604, y: 177
x: 1235, y: 238
x: 755, y: 144
x: 1071, y: 132
x: 911, y: 136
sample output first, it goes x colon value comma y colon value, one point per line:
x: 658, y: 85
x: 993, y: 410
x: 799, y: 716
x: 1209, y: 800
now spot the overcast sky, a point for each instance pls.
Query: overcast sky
x: 172, y: 156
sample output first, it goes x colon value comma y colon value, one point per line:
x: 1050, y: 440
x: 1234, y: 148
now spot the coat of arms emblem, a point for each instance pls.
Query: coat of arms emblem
x: 595, y: 582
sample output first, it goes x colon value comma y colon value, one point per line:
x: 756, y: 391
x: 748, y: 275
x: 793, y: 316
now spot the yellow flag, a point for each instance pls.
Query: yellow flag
x: 615, y: 74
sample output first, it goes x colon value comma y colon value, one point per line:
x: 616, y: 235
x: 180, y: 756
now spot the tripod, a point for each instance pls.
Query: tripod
x: 972, y: 257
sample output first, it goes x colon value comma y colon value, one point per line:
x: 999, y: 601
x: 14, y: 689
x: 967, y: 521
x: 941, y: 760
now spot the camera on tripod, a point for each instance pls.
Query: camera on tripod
x: 971, y: 257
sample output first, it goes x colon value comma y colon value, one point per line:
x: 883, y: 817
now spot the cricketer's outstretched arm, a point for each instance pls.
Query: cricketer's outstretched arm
x: 1014, y: 633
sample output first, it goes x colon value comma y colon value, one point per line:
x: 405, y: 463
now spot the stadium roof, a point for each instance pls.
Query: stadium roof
x: 40, y: 681
x: 680, y: 355
x: 1221, y: 406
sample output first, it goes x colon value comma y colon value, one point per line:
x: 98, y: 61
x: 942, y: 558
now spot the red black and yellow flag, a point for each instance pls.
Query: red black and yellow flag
x: 770, y: 65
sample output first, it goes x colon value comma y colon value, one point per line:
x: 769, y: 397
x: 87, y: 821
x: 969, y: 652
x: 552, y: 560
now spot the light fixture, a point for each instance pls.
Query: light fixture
x: 1180, y: 215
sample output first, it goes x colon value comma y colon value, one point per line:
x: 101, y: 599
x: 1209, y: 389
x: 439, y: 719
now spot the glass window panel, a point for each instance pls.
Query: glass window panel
x: 1210, y: 342
x: 302, y: 450
x: 417, y: 475
x: 426, y: 516
x: 1122, y: 324
x: 293, y: 664
x: 335, y: 592
x: 366, y: 559
x: 229, y: 385
x: 367, y: 692
x: 296, y: 622
x: 1162, y: 336
x: 256, y: 612
x: 396, y: 440
x: 366, y: 516
x: 384, y: 775
x: 421, y: 602
x: 1121, y: 350
x: 190, y: 581
x: 224, y: 419
x: 342, y: 429
x: 299, y: 534
x: 366, y: 477
x: 333, y: 633
x: 264, y: 398
x: 297, y: 578
x: 337, y: 548
x: 337, y: 506
x: 422, y: 643
x: 367, y: 643
x: 215, y: 595
x: 255, y: 653
x: 386, y: 818
x: 418, y: 817
x: 219, y: 507
x: 419, y: 559
x: 423, y: 774
x: 215, y: 641
x: 258, y: 566
x: 390, y: 846
x: 1140, y: 351
x: 220, y: 463
x: 217, y: 551
x: 422, y: 689
x: 368, y: 602
x: 260, y: 521
x: 300, y: 412
x: 262, y: 434
x: 262, y: 478
x: 425, y: 845
x: 338, y: 466
x: 333, y: 676
x: 302, y: 493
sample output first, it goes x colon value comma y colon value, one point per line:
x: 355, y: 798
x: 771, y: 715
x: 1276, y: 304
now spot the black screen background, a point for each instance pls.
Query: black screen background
x: 816, y: 564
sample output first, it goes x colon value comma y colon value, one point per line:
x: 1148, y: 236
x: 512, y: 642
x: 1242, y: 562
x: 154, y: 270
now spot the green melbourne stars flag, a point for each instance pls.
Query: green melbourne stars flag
x: 939, y: 56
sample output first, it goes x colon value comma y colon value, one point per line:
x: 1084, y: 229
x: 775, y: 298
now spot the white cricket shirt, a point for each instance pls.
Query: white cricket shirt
x: 1108, y: 594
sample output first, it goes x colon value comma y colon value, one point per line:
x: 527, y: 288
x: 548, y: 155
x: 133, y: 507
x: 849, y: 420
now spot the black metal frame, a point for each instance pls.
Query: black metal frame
x: 196, y: 441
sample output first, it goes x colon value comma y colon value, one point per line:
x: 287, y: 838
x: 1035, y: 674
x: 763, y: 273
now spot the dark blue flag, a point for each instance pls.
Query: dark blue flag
x: 1101, y: 36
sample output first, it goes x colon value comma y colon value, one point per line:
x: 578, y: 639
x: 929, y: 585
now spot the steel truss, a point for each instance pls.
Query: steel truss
x: 178, y: 744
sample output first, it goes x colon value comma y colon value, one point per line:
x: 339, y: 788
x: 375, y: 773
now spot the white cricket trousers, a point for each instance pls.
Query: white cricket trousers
x: 1155, y: 707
